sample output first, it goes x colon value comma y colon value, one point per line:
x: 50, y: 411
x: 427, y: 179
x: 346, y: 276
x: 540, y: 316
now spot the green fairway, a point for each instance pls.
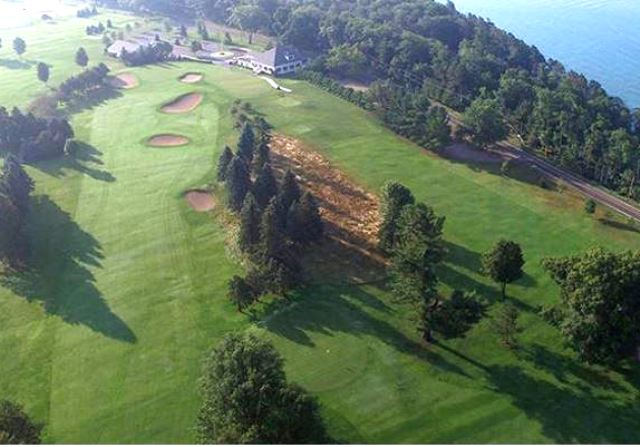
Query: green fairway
x: 102, y: 341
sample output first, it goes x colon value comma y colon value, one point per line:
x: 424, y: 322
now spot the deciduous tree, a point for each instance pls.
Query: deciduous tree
x: 247, y: 400
x: 82, y: 58
x: 503, y: 263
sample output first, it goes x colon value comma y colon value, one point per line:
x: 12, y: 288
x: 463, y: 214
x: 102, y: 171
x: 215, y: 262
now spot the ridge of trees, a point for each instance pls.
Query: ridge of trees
x: 33, y: 139
x: 158, y: 51
x: 276, y: 219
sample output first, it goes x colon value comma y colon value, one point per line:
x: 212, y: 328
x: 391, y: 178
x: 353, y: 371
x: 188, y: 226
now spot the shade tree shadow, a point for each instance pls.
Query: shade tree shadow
x: 332, y: 310
x: 58, y: 276
x: 83, y: 158
x: 569, y: 413
x: 619, y: 225
x: 457, y: 280
x: 563, y: 367
x: 17, y: 64
x: 91, y: 99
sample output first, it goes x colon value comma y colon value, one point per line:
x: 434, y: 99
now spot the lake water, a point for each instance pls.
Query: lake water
x: 598, y: 38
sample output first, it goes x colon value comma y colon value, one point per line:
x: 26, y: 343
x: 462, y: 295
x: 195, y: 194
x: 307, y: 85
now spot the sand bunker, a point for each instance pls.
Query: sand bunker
x: 183, y: 104
x: 200, y: 200
x: 125, y: 80
x: 191, y: 78
x: 167, y: 140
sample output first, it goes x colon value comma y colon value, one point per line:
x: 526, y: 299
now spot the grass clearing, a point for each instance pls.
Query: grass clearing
x: 128, y: 291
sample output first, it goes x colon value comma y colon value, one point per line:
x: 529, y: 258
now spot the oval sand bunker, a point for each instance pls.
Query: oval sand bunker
x: 125, y: 80
x: 167, y: 140
x: 183, y: 104
x: 200, y: 201
x: 191, y: 78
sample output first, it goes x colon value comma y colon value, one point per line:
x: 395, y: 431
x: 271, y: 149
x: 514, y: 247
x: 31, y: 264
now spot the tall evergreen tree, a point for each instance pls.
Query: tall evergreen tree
x: 238, y: 183
x: 249, y: 235
x: 82, y: 58
x: 417, y: 252
x: 394, y: 198
x: 19, y: 46
x: 240, y: 293
x: 289, y: 191
x: 16, y: 183
x: 304, y: 223
x: 265, y: 187
x: 246, y: 143
x: 223, y: 163
x: 272, y: 231
x: 43, y: 72
x: 261, y: 157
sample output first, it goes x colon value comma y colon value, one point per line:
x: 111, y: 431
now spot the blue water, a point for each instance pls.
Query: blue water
x: 598, y: 38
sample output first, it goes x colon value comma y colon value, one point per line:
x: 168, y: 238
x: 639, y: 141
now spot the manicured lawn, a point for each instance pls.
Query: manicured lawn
x: 103, y: 341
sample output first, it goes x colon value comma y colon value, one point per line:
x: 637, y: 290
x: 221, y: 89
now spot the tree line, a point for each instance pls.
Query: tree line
x: 158, y: 51
x: 276, y: 218
x: 33, y: 139
x: 426, y: 47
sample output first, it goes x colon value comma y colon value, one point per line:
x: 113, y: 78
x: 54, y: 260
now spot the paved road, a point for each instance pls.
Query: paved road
x: 583, y: 186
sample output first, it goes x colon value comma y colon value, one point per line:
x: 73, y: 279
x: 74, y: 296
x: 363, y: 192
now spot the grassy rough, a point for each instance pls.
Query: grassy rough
x: 103, y: 341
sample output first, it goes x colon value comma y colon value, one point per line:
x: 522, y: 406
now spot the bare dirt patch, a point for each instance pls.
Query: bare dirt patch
x: 192, y: 78
x: 183, y: 104
x: 350, y: 213
x: 200, y: 200
x: 167, y: 140
x: 125, y: 81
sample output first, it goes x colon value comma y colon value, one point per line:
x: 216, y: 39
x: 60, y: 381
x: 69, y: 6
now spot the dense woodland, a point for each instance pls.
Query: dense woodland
x: 419, y: 50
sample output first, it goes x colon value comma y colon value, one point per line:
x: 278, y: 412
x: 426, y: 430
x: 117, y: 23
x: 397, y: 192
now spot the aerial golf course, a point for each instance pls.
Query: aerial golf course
x: 103, y: 340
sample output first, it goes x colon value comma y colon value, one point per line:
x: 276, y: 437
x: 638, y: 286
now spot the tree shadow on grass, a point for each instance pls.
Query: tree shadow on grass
x: 17, y: 64
x: 92, y: 99
x: 83, y: 159
x: 569, y: 413
x: 619, y: 225
x: 562, y: 367
x: 333, y: 310
x: 457, y: 280
x: 59, y: 277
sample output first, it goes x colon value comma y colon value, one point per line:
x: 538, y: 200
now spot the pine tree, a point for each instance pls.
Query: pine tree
x: 240, y: 293
x: 238, y: 183
x: 43, y: 72
x: 261, y: 157
x: 82, y: 59
x: 249, y: 235
x: 311, y: 220
x: 246, y: 144
x: 394, y: 198
x: 265, y: 187
x: 289, y: 191
x: 304, y: 223
x: 223, y: 163
x: 272, y: 231
x: 16, y: 183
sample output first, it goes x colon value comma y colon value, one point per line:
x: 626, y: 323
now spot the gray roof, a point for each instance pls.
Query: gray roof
x: 119, y: 45
x: 279, y: 55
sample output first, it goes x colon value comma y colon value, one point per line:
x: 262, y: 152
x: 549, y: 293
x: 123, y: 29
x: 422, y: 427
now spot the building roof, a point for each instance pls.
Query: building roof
x: 279, y: 55
x: 119, y: 45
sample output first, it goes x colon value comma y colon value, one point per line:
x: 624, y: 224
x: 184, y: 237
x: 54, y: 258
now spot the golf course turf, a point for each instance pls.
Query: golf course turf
x: 104, y: 336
